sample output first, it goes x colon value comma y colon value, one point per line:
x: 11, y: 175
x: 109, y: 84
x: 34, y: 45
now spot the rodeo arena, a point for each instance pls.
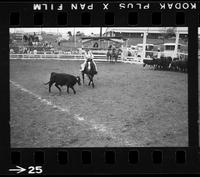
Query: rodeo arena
x: 99, y: 87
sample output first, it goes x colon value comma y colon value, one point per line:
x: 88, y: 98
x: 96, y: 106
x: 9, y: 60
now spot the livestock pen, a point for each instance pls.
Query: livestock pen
x: 129, y: 106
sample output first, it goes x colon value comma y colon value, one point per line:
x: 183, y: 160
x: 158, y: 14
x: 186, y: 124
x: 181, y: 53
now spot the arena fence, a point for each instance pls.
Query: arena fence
x: 97, y: 57
x: 58, y: 57
x: 127, y: 59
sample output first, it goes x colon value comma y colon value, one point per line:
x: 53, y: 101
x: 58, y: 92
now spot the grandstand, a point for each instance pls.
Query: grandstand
x: 17, y: 43
x: 21, y: 43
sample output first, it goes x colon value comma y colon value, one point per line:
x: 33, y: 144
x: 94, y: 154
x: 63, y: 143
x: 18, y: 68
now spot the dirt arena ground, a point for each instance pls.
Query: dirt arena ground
x: 129, y: 106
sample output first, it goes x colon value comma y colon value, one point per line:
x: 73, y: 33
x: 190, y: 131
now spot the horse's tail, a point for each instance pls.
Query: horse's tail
x: 46, y: 83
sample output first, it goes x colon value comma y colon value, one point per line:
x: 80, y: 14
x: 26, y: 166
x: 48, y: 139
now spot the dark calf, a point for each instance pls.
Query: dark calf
x: 183, y: 65
x: 148, y: 62
x: 174, y: 65
x: 163, y: 63
x: 179, y: 65
x: 61, y: 79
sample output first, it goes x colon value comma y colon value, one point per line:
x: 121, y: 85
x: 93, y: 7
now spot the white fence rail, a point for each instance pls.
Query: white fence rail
x: 98, y: 57
x: 45, y: 56
x: 57, y: 56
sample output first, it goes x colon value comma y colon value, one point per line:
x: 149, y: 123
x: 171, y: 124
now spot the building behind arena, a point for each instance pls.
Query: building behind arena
x: 154, y: 34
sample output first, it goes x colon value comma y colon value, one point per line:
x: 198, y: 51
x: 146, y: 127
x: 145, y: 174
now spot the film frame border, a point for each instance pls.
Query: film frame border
x: 121, y: 164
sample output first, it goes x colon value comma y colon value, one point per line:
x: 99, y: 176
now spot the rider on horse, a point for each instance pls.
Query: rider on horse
x: 88, y: 56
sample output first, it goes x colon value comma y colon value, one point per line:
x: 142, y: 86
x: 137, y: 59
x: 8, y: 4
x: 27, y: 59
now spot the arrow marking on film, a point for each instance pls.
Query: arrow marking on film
x: 18, y: 169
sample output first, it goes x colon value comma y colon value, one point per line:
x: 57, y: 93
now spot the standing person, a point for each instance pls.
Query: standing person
x: 88, y: 56
x: 124, y: 53
x: 35, y: 52
x: 159, y: 54
x: 109, y: 53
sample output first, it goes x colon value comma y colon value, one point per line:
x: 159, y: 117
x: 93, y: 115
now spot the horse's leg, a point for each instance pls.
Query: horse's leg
x: 89, y: 82
x: 92, y: 81
x: 89, y: 79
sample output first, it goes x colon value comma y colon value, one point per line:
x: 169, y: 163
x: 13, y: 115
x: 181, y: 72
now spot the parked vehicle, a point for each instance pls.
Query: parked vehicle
x: 168, y: 50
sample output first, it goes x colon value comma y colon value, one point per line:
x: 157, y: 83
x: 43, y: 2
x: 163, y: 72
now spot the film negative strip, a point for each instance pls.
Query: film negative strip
x: 136, y: 111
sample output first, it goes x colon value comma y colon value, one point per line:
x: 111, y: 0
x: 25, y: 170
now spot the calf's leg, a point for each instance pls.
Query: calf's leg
x: 68, y: 89
x: 73, y: 89
x: 58, y: 88
x: 83, y: 77
x: 50, y: 84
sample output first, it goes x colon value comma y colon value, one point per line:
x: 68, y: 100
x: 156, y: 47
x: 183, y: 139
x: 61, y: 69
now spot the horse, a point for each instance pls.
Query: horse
x: 116, y: 53
x: 109, y: 55
x: 89, y: 71
x: 113, y: 54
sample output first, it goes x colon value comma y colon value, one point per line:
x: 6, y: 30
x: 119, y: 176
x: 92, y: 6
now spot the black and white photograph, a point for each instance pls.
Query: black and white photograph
x: 98, y: 87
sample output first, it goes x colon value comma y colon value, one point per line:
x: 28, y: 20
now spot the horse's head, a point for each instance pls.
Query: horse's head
x: 78, y: 80
x: 90, y: 67
x: 89, y: 64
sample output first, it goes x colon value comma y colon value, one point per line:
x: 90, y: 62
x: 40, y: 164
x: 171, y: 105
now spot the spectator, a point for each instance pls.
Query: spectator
x: 95, y: 45
x: 159, y: 54
x: 124, y: 53
x: 35, y: 52
x: 12, y: 51
x: 25, y: 50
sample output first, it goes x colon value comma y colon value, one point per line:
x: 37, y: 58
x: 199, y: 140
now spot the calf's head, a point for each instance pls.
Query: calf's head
x: 78, y: 80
